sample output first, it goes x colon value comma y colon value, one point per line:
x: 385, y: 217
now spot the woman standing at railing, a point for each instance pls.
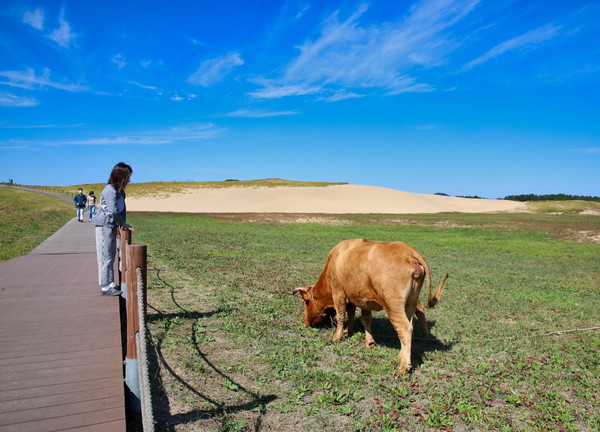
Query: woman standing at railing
x: 110, y: 216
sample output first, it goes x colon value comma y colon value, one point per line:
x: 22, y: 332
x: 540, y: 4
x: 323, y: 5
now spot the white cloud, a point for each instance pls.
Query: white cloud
x: 349, y: 55
x: 144, y: 86
x: 527, y: 40
x: 119, y: 60
x: 63, y: 35
x: 10, y: 100
x: 589, y: 150
x: 408, y: 84
x: 35, y: 19
x: 40, y: 126
x: 214, y: 70
x: 168, y: 136
x: 196, y: 42
x: 302, y: 12
x: 13, y: 145
x: 260, y: 113
x: 341, y: 95
x: 276, y: 91
x: 177, y: 98
x: 28, y: 79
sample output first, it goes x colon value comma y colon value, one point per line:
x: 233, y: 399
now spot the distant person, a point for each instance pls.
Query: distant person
x: 91, y: 203
x: 80, y: 200
x: 111, y: 216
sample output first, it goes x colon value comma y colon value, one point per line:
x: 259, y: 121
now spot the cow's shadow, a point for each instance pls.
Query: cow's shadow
x: 386, y: 336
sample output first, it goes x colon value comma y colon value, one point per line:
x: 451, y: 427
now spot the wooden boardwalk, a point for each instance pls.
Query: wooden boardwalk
x: 61, y: 361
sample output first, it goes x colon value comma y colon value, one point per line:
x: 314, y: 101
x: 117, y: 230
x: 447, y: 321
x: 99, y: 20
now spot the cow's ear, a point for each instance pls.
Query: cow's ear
x: 303, y: 292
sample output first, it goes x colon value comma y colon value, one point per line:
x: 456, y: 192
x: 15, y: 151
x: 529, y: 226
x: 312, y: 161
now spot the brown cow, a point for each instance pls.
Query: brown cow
x: 372, y: 275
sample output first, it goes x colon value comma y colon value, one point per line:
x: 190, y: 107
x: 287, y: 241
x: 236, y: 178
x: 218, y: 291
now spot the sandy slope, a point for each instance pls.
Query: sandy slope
x: 332, y: 199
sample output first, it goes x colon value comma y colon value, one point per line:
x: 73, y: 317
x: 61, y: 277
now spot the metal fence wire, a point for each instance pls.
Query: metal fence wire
x: 142, y: 354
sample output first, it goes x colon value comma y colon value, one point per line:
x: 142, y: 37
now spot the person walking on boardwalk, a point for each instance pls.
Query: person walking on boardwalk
x: 91, y: 203
x: 111, y: 215
x: 80, y: 200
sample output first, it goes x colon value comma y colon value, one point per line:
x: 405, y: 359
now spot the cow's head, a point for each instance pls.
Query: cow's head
x: 316, y: 311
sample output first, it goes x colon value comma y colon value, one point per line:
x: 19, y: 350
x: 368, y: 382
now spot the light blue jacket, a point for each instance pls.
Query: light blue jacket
x: 112, y: 211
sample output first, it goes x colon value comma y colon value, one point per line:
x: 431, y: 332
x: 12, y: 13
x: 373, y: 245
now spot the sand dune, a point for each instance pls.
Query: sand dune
x: 339, y: 199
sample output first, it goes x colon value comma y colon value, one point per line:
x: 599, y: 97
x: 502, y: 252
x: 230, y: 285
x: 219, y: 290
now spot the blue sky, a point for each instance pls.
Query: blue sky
x: 471, y: 97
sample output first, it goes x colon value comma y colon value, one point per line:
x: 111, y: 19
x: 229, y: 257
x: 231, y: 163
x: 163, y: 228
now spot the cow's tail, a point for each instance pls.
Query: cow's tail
x: 432, y: 300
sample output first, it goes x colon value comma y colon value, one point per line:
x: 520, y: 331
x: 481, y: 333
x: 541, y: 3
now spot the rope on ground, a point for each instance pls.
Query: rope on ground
x: 142, y: 352
x: 552, y: 333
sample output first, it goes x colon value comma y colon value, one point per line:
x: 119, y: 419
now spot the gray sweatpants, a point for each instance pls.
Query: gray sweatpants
x: 106, y: 250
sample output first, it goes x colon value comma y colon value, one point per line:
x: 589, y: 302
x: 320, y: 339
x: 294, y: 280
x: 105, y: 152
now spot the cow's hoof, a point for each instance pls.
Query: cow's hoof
x: 404, y: 369
x: 370, y: 344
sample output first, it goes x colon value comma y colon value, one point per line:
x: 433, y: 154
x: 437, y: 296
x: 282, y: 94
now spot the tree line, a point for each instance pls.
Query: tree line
x: 551, y: 197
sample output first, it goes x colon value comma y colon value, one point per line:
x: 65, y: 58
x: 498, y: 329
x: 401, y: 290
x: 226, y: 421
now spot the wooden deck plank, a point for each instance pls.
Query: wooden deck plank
x: 45, y: 367
x: 59, y: 409
x: 30, y: 341
x: 66, y: 338
x: 38, y: 402
x: 58, y: 371
x: 104, y: 427
x: 81, y: 420
x: 110, y: 350
x: 57, y: 389
x: 90, y: 374
x: 57, y: 348
x: 32, y: 370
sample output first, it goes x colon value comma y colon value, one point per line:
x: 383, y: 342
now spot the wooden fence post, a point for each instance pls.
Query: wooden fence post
x: 136, y: 257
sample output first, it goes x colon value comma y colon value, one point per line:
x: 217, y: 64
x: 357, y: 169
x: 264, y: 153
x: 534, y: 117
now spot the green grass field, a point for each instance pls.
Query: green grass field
x: 27, y: 219
x: 516, y: 342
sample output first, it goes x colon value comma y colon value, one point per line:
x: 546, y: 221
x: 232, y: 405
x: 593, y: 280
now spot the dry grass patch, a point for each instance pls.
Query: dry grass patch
x: 165, y: 189
x: 162, y: 189
x: 563, y: 207
x: 283, y: 218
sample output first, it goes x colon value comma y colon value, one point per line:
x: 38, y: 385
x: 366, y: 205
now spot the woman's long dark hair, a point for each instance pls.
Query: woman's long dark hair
x: 119, y: 177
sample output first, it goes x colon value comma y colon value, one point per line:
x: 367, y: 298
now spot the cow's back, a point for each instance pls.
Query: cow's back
x: 368, y: 272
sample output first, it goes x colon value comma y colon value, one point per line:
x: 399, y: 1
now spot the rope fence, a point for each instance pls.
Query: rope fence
x: 132, y: 266
x: 142, y: 350
x: 47, y: 189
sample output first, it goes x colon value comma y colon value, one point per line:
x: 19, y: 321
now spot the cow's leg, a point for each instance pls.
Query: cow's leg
x: 340, y: 309
x: 351, y: 310
x: 420, y: 312
x: 365, y: 318
x: 403, y: 326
